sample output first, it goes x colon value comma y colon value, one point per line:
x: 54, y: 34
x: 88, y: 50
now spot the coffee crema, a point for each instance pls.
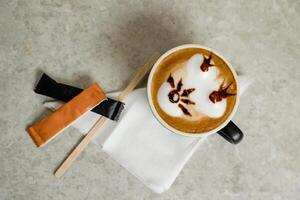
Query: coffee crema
x: 193, y: 90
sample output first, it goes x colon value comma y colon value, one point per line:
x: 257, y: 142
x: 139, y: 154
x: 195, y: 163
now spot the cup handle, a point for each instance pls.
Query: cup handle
x: 231, y: 133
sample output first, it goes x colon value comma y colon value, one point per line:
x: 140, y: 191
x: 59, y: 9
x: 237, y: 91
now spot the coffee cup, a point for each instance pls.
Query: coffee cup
x: 208, y: 104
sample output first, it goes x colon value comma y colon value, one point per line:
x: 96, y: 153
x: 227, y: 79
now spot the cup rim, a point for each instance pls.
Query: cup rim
x: 157, y: 116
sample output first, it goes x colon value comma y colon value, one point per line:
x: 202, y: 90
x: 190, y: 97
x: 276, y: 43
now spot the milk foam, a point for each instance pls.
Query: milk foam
x: 203, y: 82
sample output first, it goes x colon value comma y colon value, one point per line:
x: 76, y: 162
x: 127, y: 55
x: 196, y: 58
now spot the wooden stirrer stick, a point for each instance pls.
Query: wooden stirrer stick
x: 88, y: 137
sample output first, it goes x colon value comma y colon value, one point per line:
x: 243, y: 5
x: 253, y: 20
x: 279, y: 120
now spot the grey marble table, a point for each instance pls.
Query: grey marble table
x: 79, y: 42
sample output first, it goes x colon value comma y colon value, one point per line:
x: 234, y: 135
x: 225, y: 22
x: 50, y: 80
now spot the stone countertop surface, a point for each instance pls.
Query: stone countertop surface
x: 80, y: 42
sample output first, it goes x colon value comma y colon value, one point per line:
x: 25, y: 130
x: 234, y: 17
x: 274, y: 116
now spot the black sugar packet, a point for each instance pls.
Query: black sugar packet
x: 109, y: 108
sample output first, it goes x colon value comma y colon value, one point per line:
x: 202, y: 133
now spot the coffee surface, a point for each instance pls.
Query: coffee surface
x: 193, y: 90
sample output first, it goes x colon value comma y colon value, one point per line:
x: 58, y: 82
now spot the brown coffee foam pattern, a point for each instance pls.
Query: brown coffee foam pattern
x: 172, y: 63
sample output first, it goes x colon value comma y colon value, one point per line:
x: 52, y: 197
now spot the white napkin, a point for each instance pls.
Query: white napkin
x: 140, y: 143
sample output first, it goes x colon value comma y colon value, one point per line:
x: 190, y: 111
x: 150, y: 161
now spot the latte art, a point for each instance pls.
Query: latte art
x: 194, y: 90
x: 172, y: 98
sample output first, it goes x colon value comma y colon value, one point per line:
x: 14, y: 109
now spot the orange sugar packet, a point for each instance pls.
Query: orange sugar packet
x: 42, y: 132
